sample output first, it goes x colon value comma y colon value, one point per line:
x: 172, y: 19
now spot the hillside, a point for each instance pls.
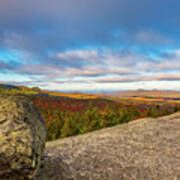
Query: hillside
x: 145, y: 149
x: 17, y: 89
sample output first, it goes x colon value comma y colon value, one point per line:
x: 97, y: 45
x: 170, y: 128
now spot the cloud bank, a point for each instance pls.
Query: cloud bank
x: 87, y: 42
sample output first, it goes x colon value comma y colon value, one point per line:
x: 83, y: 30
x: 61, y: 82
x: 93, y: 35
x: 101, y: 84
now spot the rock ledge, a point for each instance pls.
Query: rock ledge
x: 145, y: 149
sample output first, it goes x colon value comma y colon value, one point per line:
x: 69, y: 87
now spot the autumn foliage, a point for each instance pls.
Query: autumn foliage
x: 67, y: 117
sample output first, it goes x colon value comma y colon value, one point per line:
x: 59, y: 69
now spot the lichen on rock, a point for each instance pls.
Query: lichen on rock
x: 22, y: 138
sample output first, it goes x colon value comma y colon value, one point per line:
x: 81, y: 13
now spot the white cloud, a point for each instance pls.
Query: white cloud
x: 140, y: 78
x: 103, y: 67
x: 150, y: 37
x: 78, y: 55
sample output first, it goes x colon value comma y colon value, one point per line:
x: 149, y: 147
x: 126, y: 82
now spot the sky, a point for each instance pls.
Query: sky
x: 90, y: 45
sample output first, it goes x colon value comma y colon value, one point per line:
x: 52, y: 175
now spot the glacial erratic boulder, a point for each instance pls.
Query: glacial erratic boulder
x: 22, y: 138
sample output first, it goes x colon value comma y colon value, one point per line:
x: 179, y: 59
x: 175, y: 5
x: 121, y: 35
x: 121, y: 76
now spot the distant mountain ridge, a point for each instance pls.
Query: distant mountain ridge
x: 147, y: 93
x: 17, y: 89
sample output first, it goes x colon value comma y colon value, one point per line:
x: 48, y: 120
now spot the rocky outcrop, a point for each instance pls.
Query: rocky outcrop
x: 22, y: 138
x: 146, y: 149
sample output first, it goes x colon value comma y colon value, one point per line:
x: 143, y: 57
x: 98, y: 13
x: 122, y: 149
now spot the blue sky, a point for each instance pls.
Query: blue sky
x: 81, y: 45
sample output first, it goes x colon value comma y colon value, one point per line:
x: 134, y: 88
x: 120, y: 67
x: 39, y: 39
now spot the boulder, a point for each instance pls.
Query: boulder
x: 22, y: 138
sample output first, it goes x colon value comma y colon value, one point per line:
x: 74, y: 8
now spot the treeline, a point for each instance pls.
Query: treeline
x: 64, y: 118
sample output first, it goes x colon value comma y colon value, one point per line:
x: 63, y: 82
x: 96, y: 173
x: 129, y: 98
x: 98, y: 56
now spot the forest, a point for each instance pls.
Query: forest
x: 67, y: 117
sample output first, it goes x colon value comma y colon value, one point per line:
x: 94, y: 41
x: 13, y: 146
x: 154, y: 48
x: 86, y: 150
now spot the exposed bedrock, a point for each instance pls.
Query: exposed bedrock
x: 145, y: 149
